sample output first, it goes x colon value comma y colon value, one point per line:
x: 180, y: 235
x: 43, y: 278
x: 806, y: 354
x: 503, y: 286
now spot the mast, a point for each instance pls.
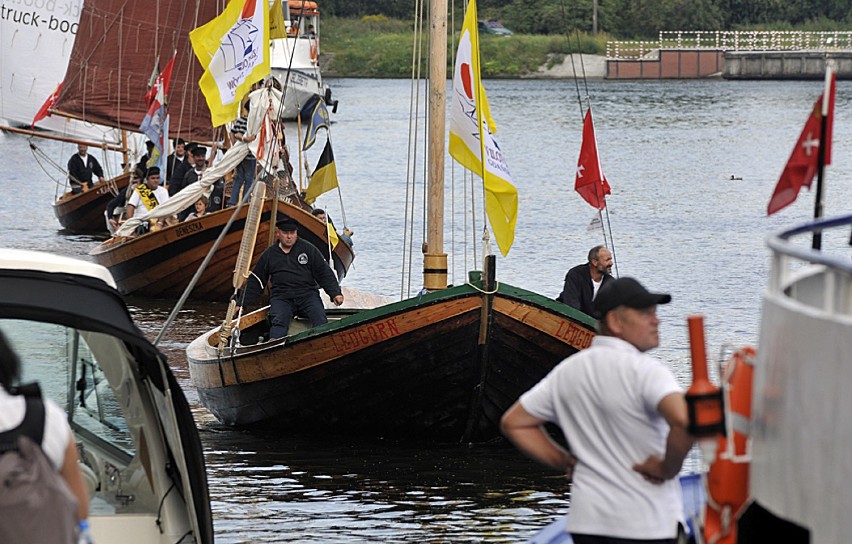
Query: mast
x: 434, y: 258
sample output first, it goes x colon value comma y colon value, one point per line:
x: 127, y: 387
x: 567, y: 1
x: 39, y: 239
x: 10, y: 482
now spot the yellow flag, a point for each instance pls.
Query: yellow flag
x: 472, y: 136
x: 332, y: 235
x: 277, y: 27
x: 234, y: 50
x: 324, y: 178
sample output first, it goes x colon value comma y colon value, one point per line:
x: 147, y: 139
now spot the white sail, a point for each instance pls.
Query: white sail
x: 36, y: 39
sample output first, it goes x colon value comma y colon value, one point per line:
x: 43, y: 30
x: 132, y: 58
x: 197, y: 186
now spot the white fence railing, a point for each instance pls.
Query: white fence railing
x: 734, y: 40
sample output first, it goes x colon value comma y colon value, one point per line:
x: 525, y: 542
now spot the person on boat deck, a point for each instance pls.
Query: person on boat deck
x: 57, y: 443
x: 81, y: 167
x: 177, y: 157
x: 199, y: 164
x: 200, y: 208
x: 294, y: 267
x: 583, y: 282
x: 181, y: 168
x: 149, y: 195
x: 625, y: 419
x: 142, y: 165
x: 345, y: 234
x: 116, y: 207
x: 244, y: 172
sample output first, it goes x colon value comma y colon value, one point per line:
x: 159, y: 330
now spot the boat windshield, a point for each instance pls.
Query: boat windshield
x: 68, y: 365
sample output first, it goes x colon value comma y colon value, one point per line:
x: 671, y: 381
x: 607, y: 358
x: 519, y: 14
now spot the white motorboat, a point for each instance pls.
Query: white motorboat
x: 140, y: 452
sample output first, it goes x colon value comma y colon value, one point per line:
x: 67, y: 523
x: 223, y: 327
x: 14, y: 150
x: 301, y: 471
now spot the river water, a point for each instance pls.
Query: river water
x: 679, y: 223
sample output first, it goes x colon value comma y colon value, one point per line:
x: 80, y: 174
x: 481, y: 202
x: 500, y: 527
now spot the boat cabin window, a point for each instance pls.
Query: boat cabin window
x: 67, y: 364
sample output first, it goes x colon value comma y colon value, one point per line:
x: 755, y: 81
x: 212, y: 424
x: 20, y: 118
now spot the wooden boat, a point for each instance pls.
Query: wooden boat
x: 83, y: 212
x: 137, y: 441
x: 295, y: 59
x: 442, y: 366
x: 161, y: 264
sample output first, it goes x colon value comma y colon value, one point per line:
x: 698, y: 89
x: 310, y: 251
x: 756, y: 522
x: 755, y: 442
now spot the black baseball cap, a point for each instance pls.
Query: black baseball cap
x: 287, y: 224
x: 626, y: 292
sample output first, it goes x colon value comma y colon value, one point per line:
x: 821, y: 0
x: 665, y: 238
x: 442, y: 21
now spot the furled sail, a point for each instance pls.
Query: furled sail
x: 119, y: 44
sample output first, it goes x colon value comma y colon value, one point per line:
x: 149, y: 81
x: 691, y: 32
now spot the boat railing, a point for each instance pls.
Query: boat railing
x: 732, y: 40
x: 826, y: 284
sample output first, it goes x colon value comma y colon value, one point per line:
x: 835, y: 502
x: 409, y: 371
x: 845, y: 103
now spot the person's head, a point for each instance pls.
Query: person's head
x: 628, y: 311
x: 149, y: 145
x: 201, y: 205
x: 199, y: 155
x: 152, y: 179
x: 82, y: 149
x: 287, y: 231
x: 319, y: 213
x: 180, y: 147
x: 10, y: 365
x: 600, y: 261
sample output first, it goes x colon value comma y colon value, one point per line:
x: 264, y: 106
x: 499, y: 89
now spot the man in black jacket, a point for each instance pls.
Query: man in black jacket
x: 81, y: 167
x: 583, y: 281
x: 294, y: 267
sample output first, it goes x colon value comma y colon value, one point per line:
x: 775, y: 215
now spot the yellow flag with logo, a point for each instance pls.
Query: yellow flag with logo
x: 277, y: 26
x: 472, y: 136
x: 234, y: 50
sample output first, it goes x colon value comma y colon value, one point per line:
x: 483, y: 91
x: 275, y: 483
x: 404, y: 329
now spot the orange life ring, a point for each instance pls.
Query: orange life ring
x: 313, y: 51
x: 727, y: 479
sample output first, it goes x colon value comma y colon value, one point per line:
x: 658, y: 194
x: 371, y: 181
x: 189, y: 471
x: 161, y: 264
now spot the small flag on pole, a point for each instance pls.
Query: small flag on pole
x: 50, y: 103
x: 324, y: 178
x: 590, y: 181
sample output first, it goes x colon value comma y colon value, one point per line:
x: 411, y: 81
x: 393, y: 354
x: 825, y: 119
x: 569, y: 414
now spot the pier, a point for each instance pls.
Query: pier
x: 732, y: 55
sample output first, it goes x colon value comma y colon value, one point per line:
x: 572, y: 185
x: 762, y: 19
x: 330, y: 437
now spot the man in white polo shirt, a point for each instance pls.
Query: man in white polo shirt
x: 624, y: 418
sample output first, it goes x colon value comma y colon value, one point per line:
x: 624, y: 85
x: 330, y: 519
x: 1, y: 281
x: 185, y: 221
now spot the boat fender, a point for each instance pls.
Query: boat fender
x: 314, y: 54
x: 728, y: 477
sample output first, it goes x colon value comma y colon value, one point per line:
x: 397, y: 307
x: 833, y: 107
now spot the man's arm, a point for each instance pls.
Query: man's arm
x: 527, y: 433
x: 571, y: 291
x: 679, y: 441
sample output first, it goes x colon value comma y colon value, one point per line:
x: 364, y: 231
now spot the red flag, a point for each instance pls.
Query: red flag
x: 156, y: 95
x: 590, y: 181
x: 49, y: 104
x: 804, y: 161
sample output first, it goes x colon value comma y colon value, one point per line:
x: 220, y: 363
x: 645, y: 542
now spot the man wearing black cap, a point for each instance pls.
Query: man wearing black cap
x: 625, y: 419
x: 149, y: 195
x: 294, y: 268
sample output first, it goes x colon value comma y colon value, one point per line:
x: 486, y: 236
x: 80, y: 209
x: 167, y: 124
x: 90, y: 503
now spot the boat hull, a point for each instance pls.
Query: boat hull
x: 443, y: 367
x: 84, y: 212
x: 161, y: 264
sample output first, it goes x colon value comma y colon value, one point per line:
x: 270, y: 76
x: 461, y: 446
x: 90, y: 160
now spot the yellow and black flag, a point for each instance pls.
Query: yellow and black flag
x: 324, y: 178
x: 314, y: 115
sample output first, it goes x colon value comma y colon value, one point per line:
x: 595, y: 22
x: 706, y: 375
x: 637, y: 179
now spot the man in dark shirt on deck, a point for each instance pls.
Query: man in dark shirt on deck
x: 294, y: 268
x: 81, y: 168
x: 583, y: 281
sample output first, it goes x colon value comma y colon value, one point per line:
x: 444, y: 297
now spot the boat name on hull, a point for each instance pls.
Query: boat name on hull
x: 574, y: 335
x: 189, y: 228
x: 366, y: 335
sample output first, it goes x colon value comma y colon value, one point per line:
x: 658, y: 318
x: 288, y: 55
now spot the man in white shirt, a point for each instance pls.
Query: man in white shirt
x: 624, y: 418
x: 149, y: 195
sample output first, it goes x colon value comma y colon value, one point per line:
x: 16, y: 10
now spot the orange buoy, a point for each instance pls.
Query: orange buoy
x: 728, y: 478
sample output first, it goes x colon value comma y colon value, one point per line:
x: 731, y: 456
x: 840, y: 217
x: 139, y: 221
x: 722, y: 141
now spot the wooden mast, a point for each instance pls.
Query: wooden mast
x: 434, y: 259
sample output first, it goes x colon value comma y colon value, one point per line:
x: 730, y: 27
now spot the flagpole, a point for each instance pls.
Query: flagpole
x: 823, y: 139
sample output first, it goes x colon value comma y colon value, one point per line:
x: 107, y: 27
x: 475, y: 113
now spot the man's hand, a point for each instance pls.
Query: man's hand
x: 652, y: 470
x: 338, y: 300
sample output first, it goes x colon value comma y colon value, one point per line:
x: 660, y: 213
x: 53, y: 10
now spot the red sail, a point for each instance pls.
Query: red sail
x: 117, y: 44
x: 590, y: 181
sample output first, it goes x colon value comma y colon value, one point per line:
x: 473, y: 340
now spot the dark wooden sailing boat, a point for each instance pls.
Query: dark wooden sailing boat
x: 443, y: 366
x: 118, y: 45
x: 83, y: 212
x: 107, y: 79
